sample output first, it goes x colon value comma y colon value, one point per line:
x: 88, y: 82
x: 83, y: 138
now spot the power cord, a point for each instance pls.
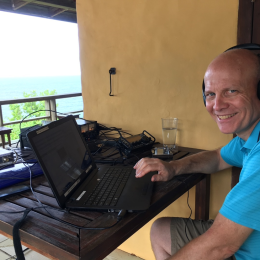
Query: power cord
x: 41, y: 110
x: 189, y: 218
x: 189, y: 215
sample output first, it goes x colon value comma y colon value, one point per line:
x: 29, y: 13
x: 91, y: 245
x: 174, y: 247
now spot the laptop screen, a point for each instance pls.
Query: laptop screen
x: 64, y: 155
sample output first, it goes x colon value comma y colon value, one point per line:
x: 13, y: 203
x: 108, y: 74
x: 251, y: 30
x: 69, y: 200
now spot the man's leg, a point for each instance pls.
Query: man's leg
x: 168, y: 235
x: 161, y: 238
x: 184, y: 230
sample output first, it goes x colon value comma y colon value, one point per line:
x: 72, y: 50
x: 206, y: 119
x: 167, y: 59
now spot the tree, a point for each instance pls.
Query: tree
x: 19, y: 111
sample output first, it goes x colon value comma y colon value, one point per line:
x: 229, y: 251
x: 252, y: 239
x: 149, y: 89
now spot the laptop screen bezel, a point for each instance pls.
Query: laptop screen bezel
x: 61, y: 199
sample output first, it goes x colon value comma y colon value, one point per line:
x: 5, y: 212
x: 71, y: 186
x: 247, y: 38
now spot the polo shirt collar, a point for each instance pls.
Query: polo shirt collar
x: 253, y: 138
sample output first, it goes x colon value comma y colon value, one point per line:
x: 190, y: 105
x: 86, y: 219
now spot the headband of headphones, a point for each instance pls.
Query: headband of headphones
x: 246, y: 46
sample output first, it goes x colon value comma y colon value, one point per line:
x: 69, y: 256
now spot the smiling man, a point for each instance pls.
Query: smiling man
x: 231, y: 92
x: 231, y: 95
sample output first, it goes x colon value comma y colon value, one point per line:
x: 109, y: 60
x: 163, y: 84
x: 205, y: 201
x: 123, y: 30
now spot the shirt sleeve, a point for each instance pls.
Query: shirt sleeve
x: 231, y: 153
x: 242, y: 203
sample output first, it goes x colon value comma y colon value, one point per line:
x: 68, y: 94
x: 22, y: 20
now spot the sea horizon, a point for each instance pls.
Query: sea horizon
x: 13, y: 88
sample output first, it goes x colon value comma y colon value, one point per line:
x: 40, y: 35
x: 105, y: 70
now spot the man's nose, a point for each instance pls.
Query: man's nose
x: 220, y: 103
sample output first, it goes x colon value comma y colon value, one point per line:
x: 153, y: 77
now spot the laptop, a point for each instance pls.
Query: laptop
x: 75, y: 179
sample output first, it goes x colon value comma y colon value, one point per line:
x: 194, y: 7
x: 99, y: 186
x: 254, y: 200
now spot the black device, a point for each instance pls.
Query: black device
x: 6, y: 157
x: 74, y: 178
x: 142, y: 141
x: 246, y: 46
x: 87, y: 128
x: 23, y: 136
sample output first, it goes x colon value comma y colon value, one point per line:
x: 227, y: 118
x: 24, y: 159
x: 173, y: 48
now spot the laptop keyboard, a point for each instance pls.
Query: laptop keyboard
x: 109, y: 188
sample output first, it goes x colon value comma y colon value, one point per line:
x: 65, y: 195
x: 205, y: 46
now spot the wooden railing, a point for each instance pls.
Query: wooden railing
x: 50, y: 104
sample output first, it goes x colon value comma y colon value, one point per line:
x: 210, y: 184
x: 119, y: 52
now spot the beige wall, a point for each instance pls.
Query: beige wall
x: 160, y: 50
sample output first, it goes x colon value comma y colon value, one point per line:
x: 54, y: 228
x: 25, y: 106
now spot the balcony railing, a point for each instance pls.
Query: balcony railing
x: 50, y: 104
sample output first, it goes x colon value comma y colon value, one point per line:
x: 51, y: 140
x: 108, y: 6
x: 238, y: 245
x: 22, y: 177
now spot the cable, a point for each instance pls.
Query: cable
x: 19, y: 223
x: 189, y: 218
x: 105, y: 150
x: 16, y: 234
x: 113, y: 129
x: 41, y: 110
x: 136, y: 156
x: 16, y: 159
x: 101, y: 157
x: 82, y: 228
x: 110, y: 85
x: 102, y: 147
x: 29, y: 167
x: 189, y: 215
x: 60, y: 220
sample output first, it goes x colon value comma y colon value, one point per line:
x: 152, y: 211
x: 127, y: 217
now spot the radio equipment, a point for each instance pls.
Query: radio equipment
x: 143, y: 141
x: 88, y: 128
x: 23, y: 136
x: 6, y: 157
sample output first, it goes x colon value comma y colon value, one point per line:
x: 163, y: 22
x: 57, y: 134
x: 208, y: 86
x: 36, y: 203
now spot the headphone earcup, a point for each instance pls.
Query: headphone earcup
x: 203, y: 90
x: 258, y: 90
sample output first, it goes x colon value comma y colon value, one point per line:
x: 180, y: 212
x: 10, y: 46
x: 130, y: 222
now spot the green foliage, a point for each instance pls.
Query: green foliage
x: 19, y: 111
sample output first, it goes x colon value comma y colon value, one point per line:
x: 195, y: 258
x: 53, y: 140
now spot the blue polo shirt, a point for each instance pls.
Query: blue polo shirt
x: 242, y: 204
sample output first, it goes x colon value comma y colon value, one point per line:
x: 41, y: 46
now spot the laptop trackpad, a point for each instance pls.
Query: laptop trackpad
x: 137, y: 193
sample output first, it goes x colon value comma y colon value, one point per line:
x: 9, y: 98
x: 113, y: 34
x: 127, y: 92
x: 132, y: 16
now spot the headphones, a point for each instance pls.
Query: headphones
x: 246, y: 46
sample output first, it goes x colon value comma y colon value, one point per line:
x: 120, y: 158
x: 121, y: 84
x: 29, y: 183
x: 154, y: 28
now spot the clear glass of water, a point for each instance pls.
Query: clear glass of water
x: 169, y: 132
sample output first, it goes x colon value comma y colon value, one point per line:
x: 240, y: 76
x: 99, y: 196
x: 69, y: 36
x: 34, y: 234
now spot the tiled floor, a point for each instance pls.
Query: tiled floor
x: 7, y: 252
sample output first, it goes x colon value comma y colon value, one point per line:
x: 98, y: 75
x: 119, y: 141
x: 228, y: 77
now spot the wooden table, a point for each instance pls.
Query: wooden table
x: 5, y: 131
x: 56, y: 240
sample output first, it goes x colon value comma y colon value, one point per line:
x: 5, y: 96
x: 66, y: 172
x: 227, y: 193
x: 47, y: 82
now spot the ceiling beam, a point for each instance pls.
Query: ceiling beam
x: 18, y: 4
x: 69, y: 6
x: 44, y: 11
x: 55, y: 11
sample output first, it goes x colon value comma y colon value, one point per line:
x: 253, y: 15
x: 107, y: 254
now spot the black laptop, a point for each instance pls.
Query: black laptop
x: 74, y: 178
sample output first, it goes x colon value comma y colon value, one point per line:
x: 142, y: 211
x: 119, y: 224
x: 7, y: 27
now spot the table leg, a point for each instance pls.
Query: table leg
x: 9, y: 139
x: 3, y: 140
x: 202, y: 199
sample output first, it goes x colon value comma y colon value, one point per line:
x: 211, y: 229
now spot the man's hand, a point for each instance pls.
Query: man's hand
x: 166, y: 170
x: 203, y: 162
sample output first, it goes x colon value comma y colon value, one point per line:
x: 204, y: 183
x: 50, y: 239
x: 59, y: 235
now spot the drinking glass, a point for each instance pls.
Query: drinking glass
x: 169, y: 131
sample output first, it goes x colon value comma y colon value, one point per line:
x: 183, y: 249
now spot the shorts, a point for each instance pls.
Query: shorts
x: 194, y: 228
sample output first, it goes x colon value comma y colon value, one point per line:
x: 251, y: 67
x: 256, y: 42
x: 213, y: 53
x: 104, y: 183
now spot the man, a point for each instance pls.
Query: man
x: 231, y: 83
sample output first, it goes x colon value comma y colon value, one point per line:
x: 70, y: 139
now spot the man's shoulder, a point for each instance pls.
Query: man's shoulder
x: 234, y: 145
x: 231, y: 153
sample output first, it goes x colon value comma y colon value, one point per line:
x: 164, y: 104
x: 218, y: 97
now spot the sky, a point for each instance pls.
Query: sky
x: 35, y: 47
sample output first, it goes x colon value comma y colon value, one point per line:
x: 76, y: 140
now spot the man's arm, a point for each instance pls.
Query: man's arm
x: 221, y: 241
x: 203, y: 162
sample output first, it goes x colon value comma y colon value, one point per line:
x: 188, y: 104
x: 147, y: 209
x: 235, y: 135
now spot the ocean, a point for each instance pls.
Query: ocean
x: 12, y: 88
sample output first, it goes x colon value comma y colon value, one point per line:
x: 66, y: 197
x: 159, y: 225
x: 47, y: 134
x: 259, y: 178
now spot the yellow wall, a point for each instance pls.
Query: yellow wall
x: 161, y: 50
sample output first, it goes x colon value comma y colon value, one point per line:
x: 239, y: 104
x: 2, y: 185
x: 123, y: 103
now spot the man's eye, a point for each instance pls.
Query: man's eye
x: 210, y: 94
x: 232, y: 91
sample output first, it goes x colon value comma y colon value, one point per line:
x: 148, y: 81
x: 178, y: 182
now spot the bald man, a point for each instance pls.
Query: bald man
x: 231, y: 83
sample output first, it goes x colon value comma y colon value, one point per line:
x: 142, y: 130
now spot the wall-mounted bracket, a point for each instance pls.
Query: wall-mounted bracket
x: 112, y: 71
